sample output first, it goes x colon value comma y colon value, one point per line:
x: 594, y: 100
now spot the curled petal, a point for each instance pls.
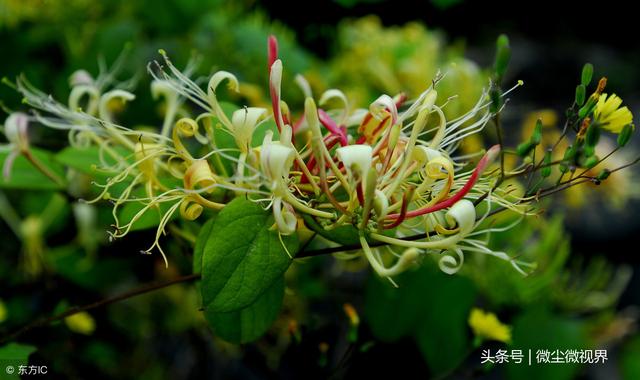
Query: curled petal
x: 384, y: 106
x: 462, y: 214
x: 80, y: 91
x: 356, y: 159
x: 450, y: 264
x: 106, y: 99
x: 336, y: 94
x: 422, y: 155
x: 186, y: 127
x: 244, y: 122
x: 199, y: 173
x: 189, y: 209
x: 218, y: 78
x: 214, y: 82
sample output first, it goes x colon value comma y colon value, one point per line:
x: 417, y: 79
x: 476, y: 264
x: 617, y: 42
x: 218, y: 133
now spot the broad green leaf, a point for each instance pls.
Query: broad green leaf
x: 24, y: 175
x: 12, y: 356
x: 442, y: 334
x: 248, y: 324
x: 87, y: 159
x: 198, y: 250
x: 243, y: 256
x: 538, y: 329
x: 429, y: 306
x: 393, y: 313
x: 201, y: 241
x: 629, y: 363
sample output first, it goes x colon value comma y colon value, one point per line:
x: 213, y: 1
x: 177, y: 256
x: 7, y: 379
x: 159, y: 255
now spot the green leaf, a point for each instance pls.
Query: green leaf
x: 430, y: 307
x: 629, y: 363
x: 25, y: 176
x: 242, y: 257
x: 13, y: 355
x: 85, y: 160
x: 442, y: 335
x: 537, y: 329
x: 201, y: 241
x: 250, y: 323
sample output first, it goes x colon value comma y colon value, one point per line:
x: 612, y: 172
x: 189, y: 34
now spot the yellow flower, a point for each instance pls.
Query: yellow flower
x: 3, y: 312
x: 487, y: 326
x: 81, y: 323
x: 609, y: 113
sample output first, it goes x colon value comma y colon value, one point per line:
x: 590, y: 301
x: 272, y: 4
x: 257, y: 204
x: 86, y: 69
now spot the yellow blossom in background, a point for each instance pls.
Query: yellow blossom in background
x: 401, y: 59
x: 81, y: 323
x: 610, y: 115
x: 486, y: 325
x: 618, y: 188
x: 3, y: 312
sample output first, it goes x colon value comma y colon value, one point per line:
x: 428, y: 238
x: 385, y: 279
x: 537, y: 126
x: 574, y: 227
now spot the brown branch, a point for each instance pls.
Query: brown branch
x: 106, y: 301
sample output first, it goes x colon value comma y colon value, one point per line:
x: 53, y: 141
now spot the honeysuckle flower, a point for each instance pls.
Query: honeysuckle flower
x: 244, y: 122
x: 618, y: 188
x: 388, y: 169
x: 610, y: 115
x: 485, y: 325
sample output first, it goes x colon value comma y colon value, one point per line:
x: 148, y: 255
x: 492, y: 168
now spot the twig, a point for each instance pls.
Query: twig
x: 106, y: 301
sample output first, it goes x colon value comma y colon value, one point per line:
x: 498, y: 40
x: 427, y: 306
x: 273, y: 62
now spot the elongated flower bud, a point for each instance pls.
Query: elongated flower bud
x: 587, y: 74
x: 625, y: 135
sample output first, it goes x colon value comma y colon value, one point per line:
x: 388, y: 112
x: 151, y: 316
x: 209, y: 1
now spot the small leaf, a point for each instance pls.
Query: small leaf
x: 242, y: 257
x: 250, y: 323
